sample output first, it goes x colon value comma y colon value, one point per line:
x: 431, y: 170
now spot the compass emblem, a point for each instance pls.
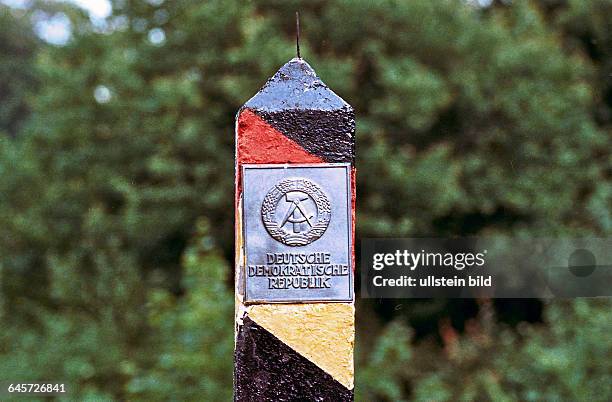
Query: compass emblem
x: 296, y: 212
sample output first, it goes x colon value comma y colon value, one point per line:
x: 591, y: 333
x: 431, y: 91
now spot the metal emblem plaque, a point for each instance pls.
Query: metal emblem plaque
x: 297, y: 233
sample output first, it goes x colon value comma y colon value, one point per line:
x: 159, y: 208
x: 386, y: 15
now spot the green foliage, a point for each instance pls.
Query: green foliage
x: 18, y: 45
x: 164, y: 348
x: 561, y: 360
x: 116, y: 198
x: 564, y: 362
x: 384, y: 368
x: 193, y: 336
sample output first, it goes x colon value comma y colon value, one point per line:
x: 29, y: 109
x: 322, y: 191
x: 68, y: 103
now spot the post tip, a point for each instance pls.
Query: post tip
x: 297, y: 33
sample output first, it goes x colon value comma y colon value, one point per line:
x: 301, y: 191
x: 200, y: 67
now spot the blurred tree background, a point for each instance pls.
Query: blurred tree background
x: 116, y: 185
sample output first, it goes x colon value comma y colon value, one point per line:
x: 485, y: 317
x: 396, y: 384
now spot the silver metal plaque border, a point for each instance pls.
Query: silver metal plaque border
x: 349, y: 210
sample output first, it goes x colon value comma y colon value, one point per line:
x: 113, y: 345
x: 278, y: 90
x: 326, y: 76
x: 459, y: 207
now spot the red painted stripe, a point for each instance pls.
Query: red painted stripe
x: 258, y: 142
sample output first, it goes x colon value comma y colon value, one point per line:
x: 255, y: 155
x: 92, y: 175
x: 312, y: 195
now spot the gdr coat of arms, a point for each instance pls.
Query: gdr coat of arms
x: 296, y: 212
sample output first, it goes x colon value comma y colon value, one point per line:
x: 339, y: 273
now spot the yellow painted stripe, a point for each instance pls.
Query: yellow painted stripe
x: 324, y: 333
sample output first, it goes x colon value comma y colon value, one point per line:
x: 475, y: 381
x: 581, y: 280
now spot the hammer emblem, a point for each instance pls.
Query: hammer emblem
x: 296, y: 213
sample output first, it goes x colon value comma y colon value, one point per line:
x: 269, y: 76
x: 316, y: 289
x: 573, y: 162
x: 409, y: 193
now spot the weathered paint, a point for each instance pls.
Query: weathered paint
x: 300, y: 126
x: 259, y: 142
x: 269, y: 370
x: 322, y: 332
x: 297, y: 103
x: 289, y: 352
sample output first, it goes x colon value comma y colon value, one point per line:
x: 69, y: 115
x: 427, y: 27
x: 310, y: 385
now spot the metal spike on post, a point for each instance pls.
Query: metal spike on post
x: 297, y: 34
x: 295, y: 220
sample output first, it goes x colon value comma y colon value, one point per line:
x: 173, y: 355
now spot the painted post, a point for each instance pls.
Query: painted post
x: 295, y: 221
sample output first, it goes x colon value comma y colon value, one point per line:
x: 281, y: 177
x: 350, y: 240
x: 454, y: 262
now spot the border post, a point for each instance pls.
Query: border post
x: 295, y: 225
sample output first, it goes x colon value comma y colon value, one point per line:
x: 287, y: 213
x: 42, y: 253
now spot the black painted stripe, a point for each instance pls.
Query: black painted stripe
x: 266, y: 369
x: 326, y: 134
